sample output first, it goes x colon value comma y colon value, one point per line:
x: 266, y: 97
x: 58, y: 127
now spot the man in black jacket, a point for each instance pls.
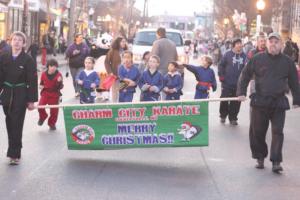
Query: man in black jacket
x: 18, y: 88
x: 272, y: 70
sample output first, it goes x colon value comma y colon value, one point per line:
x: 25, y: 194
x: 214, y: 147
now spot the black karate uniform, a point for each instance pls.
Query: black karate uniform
x: 269, y: 103
x: 18, y: 86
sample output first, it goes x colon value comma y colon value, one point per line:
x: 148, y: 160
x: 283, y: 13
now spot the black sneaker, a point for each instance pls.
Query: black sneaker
x: 52, y: 128
x: 222, y: 120
x: 233, y: 122
x: 40, y: 122
x: 260, y: 164
x: 277, y: 168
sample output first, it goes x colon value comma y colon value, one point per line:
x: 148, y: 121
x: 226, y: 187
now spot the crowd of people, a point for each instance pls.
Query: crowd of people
x: 268, y: 67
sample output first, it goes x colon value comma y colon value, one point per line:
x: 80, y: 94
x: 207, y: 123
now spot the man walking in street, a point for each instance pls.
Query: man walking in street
x: 272, y: 71
x: 229, y: 71
x: 18, y: 91
x: 165, y: 49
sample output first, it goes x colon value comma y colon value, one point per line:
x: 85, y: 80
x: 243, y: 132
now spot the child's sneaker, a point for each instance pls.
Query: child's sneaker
x: 14, y: 161
x: 52, y: 128
x: 40, y: 122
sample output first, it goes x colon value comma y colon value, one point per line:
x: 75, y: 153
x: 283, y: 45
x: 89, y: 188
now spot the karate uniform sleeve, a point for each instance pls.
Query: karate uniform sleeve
x: 31, y: 81
x: 141, y: 82
x: 160, y: 83
x: 121, y: 73
x: 137, y: 76
x: 294, y: 84
x: 60, y: 84
x: 245, y: 77
x: 191, y: 68
x: 79, y: 77
x: 97, y: 79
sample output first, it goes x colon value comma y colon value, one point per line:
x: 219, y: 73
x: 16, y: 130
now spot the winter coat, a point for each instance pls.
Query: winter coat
x: 230, y: 68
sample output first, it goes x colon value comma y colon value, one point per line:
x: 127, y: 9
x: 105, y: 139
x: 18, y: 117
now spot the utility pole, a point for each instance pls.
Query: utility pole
x: 71, y: 22
x: 25, y: 16
x: 145, y: 12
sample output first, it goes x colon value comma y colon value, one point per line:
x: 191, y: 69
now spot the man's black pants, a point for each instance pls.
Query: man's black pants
x: 260, y: 117
x: 229, y: 108
x: 14, y: 125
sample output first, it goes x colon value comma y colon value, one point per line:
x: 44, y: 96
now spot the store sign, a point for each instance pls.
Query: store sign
x: 33, y: 5
x: 3, y: 8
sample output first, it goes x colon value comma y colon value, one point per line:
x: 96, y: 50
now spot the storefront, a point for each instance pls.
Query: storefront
x: 15, y: 17
x: 3, y: 21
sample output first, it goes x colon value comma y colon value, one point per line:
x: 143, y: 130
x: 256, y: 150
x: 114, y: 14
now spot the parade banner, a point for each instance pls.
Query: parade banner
x: 140, y: 125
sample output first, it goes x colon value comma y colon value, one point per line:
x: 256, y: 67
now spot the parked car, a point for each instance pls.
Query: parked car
x: 144, y: 39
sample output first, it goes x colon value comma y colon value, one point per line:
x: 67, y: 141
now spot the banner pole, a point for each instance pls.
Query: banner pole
x: 136, y: 103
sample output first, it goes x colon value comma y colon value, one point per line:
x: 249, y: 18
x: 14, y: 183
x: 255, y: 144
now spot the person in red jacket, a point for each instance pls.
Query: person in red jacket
x: 51, y: 83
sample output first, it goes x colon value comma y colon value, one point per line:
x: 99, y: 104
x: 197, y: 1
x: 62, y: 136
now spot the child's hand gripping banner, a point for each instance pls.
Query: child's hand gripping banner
x: 118, y: 126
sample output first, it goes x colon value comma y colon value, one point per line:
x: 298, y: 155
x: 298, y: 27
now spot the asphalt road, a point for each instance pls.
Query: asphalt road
x: 223, y: 170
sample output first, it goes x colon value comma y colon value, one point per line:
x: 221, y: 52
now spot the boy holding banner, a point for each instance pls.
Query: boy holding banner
x: 151, y: 82
x: 88, y: 80
x: 128, y: 76
x: 173, y: 82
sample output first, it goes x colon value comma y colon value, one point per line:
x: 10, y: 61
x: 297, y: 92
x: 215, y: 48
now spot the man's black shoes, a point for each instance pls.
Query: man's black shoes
x: 260, y: 164
x: 277, y: 168
x: 233, y: 122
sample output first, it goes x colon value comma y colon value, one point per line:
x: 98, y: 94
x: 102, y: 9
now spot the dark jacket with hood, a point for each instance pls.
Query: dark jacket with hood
x: 230, y: 68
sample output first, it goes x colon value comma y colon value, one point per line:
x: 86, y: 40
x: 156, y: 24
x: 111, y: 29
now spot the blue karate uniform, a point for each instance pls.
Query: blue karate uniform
x: 206, y: 79
x: 172, y: 81
x: 132, y: 73
x: 156, y: 80
x: 87, y: 94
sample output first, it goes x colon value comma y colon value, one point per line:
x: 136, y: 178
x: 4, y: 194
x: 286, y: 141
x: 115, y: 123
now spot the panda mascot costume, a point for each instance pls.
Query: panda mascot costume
x: 103, y: 45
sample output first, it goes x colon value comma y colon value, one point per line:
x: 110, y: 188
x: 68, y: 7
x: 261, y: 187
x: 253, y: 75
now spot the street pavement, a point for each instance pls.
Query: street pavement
x: 223, y: 170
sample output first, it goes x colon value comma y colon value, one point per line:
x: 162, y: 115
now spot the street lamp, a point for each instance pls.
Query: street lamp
x: 260, y: 5
x: 225, y: 22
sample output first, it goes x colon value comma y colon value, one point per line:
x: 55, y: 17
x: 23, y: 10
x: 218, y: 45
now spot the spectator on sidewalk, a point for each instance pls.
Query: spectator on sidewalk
x: 33, y: 51
x: 112, y: 62
x: 4, y: 47
x: 48, y: 41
